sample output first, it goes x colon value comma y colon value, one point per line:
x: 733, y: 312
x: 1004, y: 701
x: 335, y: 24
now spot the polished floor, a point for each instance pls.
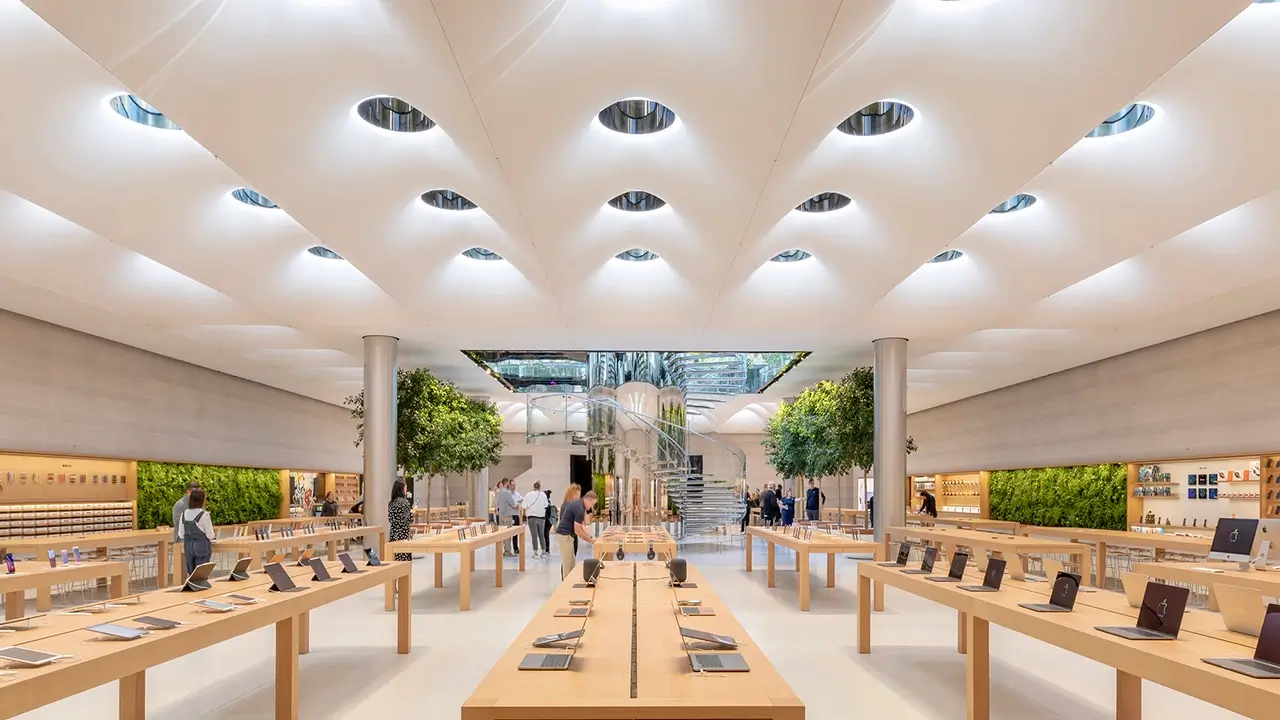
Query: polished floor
x: 353, y: 671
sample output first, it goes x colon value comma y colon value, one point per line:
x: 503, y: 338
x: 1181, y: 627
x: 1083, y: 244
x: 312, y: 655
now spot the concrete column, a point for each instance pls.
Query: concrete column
x: 891, y: 433
x: 478, y: 502
x: 379, y: 428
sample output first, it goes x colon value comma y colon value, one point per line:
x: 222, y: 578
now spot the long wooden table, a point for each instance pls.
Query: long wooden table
x: 39, y: 547
x: 635, y: 542
x: 448, y: 542
x: 1268, y: 582
x: 38, y: 576
x: 247, y: 546
x: 820, y: 542
x: 96, y: 662
x: 1101, y: 539
x: 965, y: 523
x: 632, y: 662
x: 985, y: 542
x: 1176, y: 665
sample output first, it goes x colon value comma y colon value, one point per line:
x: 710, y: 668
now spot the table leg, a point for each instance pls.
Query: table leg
x: 1101, y: 569
x: 14, y: 605
x: 162, y: 564
x: 404, y: 620
x: 389, y: 597
x: 769, y: 554
x: 884, y: 548
x: 497, y: 564
x: 115, y: 586
x: 962, y: 630
x: 439, y: 569
x: 333, y: 550
x: 133, y: 696
x: 1128, y: 696
x: 978, y: 669
x: 382, y: 544
x: 287, y: 668
x: 465, y: 561
x: 1213, y: 600
x: 831, y: 570
x: 44, y: 598
x: 304, y: 633
x: 864, y: 613
x: 880, y: 557
x: 802, y: 562
x: 746, y: 541
x: 524, y: 548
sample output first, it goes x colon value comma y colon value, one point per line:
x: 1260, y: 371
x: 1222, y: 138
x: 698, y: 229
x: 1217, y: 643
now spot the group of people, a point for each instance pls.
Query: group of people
x: 568, y: 522
x: 780, y: 509
x: 193, y: 527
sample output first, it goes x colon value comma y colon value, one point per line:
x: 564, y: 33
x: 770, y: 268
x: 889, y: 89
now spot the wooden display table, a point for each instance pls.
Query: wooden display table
x: 965, y: 523
x: 1100, y: 539
x: 295, y: 522
x: 96, y: 662
x: 819, y: 542
x: 256, y: 549
x: 38, y: 576
x: 984, y: 542
x: 635, y: 542
x: 448, y: 542
x: 161, y: 538
x: 1266, y: 582
x: 632, y: 662
x: 1176, y: 665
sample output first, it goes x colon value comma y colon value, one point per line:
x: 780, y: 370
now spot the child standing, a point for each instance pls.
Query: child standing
x: 196, y: 532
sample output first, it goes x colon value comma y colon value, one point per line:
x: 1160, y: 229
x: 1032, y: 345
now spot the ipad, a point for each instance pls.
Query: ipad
x: 118, y: 632
x: 214, y: 605
x: 156, y: 622
x: 29, y: 658
x: 243, y: 598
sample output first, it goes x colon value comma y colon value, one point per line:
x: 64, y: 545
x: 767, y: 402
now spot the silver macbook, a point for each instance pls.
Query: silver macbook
x: 1265, y: 663
x: 718, y: 662
x: 546, y: 661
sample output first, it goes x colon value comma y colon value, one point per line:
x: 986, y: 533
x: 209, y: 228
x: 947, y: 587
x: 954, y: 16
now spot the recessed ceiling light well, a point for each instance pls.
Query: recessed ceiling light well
x: 447, y: 200
x: 1021, y: 201
x: 878, y: 118
x: 636, y: 255
x: 1129, y: 117
x: 321, y: 251
x: 637, y: 116
x: 824, y: 202
x: 479, y: 253
x: 637, y: 201
x: 254, y: 198
x: 392, y: 113
x: 136, y: 109
x: 946, y: 256
x: 795, y: 255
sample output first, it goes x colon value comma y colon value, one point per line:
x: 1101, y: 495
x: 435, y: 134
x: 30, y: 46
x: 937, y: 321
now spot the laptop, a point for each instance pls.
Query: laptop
x: 904, y: 554
x: 549, y: 640
x: 1243, y: 609
x: 1265, y: 663
x: 1135, y: 584
x: 321, y: 572
x: 959, y: 561
x: 241, y: 570
x: 280, y: 580
x: 991, y: 581
x: 199, y: 578
x: 572, y: 612
x: 348, y: 565
x: 689, y: 610
x: 553, y: 661
x: 701, y: 662
x: 926, y: 565
x: 1063, y: 596
x: 119, y: 632
x: 1160, y: 616
x: 706, y: 637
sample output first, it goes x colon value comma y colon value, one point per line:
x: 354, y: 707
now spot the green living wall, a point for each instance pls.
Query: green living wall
x: 234, y: 494
x: 1085, y: 496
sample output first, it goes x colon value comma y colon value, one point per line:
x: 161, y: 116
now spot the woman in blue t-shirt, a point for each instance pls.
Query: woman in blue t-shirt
x: 788, y: 503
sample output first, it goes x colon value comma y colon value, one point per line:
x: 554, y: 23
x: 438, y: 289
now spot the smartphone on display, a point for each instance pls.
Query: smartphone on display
x: 53, y: 559
x: 372, y: 555
x: 689, y: 603
x: 214, y: 605
x: 8, y: 563
x: 65, y: 558
x: 75, y: 553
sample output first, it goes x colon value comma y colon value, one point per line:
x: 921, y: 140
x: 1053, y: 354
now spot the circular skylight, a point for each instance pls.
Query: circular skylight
x: 824, y: 202
x: 447, y: 200
x: 1021, y: 201
x: 878, y: 118
x: 636, y: 255
x: 139, y: 111
x: 637, y: 116
x: 791, y: 256
x: 479, y: 253
x: 394, y: 114
x: 1129, y: 117
x: 946, y: 256
x: 253, y: 197
x: 637, y: 201
x: 323, y: 252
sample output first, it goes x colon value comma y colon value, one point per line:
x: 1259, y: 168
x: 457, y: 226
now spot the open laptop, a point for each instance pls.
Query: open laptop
x: 1063, y: 596
x: 199, y: 578
x: 553, y: 661
x: 926, y: 564
x: 1160, y: 616
x: 701, y: 662
x: 959, y: 561
x: 572, y: 612
x: 348, y: 565
x: 696, y: 610
x: 1265, y: 663
x: 904, y: 554
x: 1243, y: 609
x: 549, y: 640
x: 706, y: 637
x: 280, y: 580
x: 1135, y: 584
x: 991, y: 580
x: 119, y: 632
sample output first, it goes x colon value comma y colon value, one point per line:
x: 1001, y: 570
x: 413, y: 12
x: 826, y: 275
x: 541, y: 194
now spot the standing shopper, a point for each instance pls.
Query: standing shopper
x: 196, y: 532
x: 400, y: 517
x: 814, y: 498
x: 573, y: 519
x: 517, y: 499
x: 535, y: 513
x: 553, y: 517
x: 180, y: 507
x: 788, y: 508
x: 770, y: 511
x: 505, y: 507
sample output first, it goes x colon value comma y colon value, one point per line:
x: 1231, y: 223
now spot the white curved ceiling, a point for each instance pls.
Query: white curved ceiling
x: 130, y: 233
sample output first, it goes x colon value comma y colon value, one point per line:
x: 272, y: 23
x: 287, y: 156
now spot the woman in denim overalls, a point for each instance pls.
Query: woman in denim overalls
x: 196, y: 532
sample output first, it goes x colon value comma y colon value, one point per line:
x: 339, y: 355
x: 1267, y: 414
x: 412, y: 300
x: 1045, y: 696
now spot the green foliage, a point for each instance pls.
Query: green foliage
x: 234, y: 494
x: 1086, y: 496
x: 601, y: 486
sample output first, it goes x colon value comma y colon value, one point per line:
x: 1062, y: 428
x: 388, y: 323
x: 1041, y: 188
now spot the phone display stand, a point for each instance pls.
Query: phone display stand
x: 191, y: 586
x: 237, y: 577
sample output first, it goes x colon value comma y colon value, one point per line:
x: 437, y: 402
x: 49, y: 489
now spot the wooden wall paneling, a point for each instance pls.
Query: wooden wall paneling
x: 1133, y: 504
x: 284, y: 494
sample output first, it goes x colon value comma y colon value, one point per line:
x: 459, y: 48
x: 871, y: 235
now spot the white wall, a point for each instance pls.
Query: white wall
x: 65, y: 392
x: 1214, y: 393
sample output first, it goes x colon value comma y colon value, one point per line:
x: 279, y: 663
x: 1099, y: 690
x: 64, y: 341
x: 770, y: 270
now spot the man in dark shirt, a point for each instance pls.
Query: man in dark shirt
x: 770, y: 511
x: 928, y: 505
x: 573, y: 519
x: 813, y: 499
